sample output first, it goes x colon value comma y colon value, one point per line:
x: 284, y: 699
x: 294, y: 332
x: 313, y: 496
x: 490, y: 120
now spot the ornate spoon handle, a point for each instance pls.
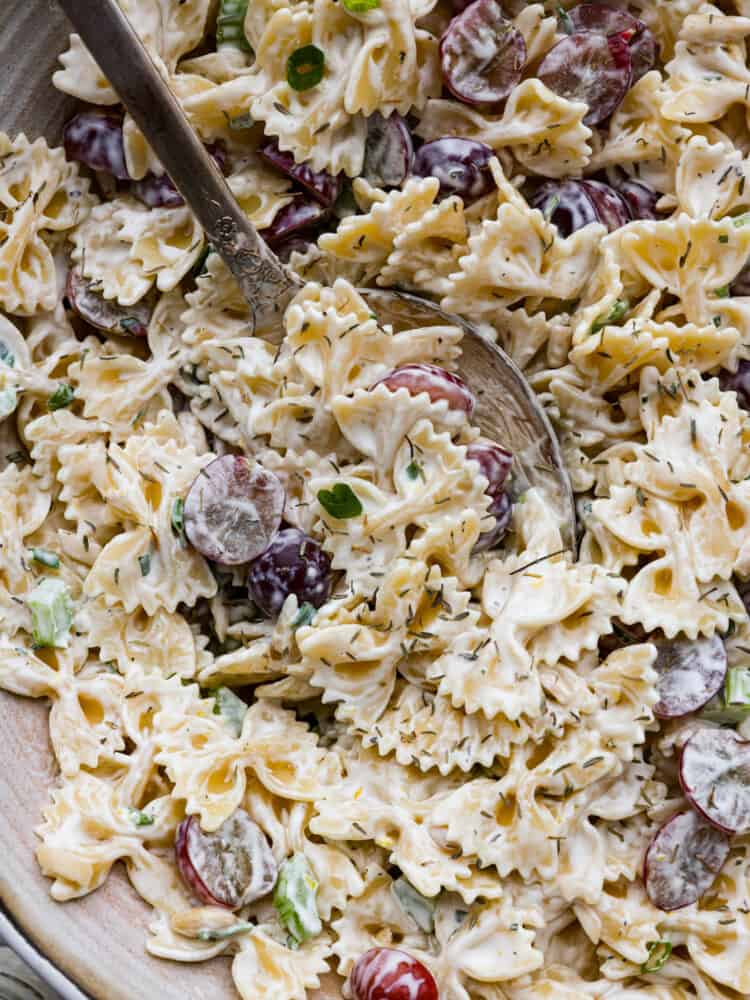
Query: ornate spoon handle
x: 265, y: 282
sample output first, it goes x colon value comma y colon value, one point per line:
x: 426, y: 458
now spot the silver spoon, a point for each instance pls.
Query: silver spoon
x: 507, y: 409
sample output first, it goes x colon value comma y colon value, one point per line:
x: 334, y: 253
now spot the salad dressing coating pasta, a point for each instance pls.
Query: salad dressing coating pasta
x: 446, y: 745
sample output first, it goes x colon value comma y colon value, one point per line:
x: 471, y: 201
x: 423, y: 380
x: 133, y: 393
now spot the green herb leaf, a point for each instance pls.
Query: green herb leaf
x: 294, y: 899
x: 615, y: 315
x: 240, y: 122
x: 231, y: 708
x: 140, y: 818
x: 178, y: 516
x: 724, y: 238
x: 658, y: 956
x: 51, y: 612
x: 566, y: 22
x: 304, y: 616
x: 46, y: 558
x: 61, y: 397
x: 144, y: 562
x: 361, y: 6
x: 304, y: 67
x: 230, y: 25
x: 340, y: 502
x: 722, y: 292
x: 414, y: 470
x: 6, y: 355
x: 419, y: 908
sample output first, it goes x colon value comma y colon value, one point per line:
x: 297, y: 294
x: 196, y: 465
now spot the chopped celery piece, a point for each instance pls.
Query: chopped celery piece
x: 658, y: 956
x: 231, y: 708
x: 46, y: 558
x: 294, y: 899
x: 305, y: 615
x: 615, y: 315
x: 419, y: 908
x: 51, y: 612
x: 225, y: 933
x: 141, y: 818
x: 732, y: 705
x: 230, y: 25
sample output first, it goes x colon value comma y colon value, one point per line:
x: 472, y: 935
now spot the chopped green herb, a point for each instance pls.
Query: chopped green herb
x: 304, y: 67
x: 615, y: 315
x: 414, y: 470
x: 722, y: 292
x: 340, y: 502
x: 361, y: 6
x: 61, y: 397
x: 8, y: 395
x: 724, y: 238
x: 231, y: 708
x: 178, y: 518
x: 566, y: 22
x: 6, y: 355
x: 419, y: 908
x: 658, y: 956
x: 304, y: 616
x: 51, y: 612
x: 294, y: 899
x: 225, y: 932
x: 144, y: 562
x: 140, y: 818
x: 230, y: 25
x: 46, y: 558
x: 240, y: 122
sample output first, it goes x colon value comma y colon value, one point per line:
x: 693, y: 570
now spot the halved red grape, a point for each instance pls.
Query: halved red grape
x: 94, y: 138
x: 682, y: 861
x: 391, y: 974
x: 494, y: 462
x: 233, y: 510
x: 607, y: 20
x: 436, y: 382
x: 690, y: 673
x: 591, y: 68
x: 159, y: 191
x: 482, y: 54
x: 324, y: 187
x: 461, y: 166
x: 610, y: 207
x: 566, y: 204
x: 389, y: 150
x: 107, y: 314
x: 293, y: 563
x: 640, y: 198
x: 501, y: 509
x: 231, y: 867
x: 301, y: 213
x: 715, y: 776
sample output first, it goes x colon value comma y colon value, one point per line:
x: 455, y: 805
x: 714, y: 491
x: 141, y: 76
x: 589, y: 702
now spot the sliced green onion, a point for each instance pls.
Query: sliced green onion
x: 419, y: 908
x: 61, y: 397
x: 231, y: 708
x: 51, y: 612
x: 361, y: 6
x: 46, y: 558
x: 340, y: 502
x: 225, y: 932
x: 614, y: 315
x: 294, y: 899
x: 230, y: 25
x: 658, y: 956
x: 178, y: 516
x: 140, y: 818
x: 565, y: 21
x: 305, y: 615
x: 304, y: 67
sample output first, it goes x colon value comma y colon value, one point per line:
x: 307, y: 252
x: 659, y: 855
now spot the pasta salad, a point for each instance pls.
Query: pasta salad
x: 323, y: 675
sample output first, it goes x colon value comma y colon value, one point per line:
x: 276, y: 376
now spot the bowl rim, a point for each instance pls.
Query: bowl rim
x: 12, y: 935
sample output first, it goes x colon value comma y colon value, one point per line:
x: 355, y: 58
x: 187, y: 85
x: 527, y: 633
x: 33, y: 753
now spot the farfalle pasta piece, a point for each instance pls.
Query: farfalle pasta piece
x: 264, y: 967
x: 518, y: 255
x: 711, y: 179
x: 544, y: 131
x: 380, y: 61
x: 41, y: 194
x: 207, y: 764
x: 168, y: 30
x: 708, y: 73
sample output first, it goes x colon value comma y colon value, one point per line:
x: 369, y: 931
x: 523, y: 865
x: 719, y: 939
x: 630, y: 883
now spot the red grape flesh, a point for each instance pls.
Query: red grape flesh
x: 293, y: 563
x: 715, y: 776
x: 690, y: 673
x: 591, y: 68
x: 482, y: 54
x: 461, y: 166
x: 436, y: 382
x: 391, y: 974
x: 389, y: 150
x: 682, y: 861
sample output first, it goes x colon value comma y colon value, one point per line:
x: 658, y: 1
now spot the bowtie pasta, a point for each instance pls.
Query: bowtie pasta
x: 322, y: 672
